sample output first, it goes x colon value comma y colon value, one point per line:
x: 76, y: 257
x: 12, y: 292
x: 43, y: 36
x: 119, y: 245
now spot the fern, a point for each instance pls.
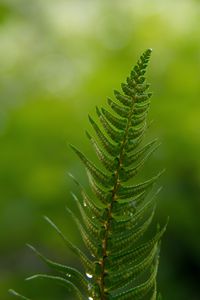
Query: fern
x: 122, y: 263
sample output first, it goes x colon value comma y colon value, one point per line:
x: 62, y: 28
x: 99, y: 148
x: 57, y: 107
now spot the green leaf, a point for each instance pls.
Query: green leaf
x: 125, y: 275
x: 88, y: 237
x: 138, y: 119
x: 103, y: 195
x: 85, y: 261
x: 125, y: 192
x: 89, y: 220
x: 129, y: 219
x: 142, y: 98
x: 72, y: 274
x: 61, y: 281
x: 129, y: 159
x: 112, y: 133
x: 136, y: 253
x: 127, y: 101
x: 136, y: 132
x: 120, y: 110
x: 118, y: 123
x: 95, y: 207
x: 14, y: 293
x: 103, y: 179
x: 141, y: 108
x: 109, y: 163
x: 129, y: 237
x: 127, y: 174
x: 112, y: 149
x: 139, y: 291
x: 128, y: 90
x: 133, y: 144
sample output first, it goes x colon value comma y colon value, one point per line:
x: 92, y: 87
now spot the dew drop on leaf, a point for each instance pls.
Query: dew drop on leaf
x: 88, y: 275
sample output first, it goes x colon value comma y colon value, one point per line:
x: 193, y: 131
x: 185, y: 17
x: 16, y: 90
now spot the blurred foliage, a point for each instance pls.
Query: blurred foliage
x: 58, y: 59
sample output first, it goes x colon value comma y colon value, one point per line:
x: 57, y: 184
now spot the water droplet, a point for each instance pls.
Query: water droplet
x: 90, y: 298
x: 68, y: 275
x: 84, y: 204
x: 88, y: 275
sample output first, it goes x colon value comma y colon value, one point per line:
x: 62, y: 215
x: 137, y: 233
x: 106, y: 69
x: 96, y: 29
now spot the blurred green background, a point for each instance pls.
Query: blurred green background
x: 58, y: 59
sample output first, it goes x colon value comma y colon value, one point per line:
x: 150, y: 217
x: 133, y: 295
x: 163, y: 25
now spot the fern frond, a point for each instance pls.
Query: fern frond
x: 115, y: 218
